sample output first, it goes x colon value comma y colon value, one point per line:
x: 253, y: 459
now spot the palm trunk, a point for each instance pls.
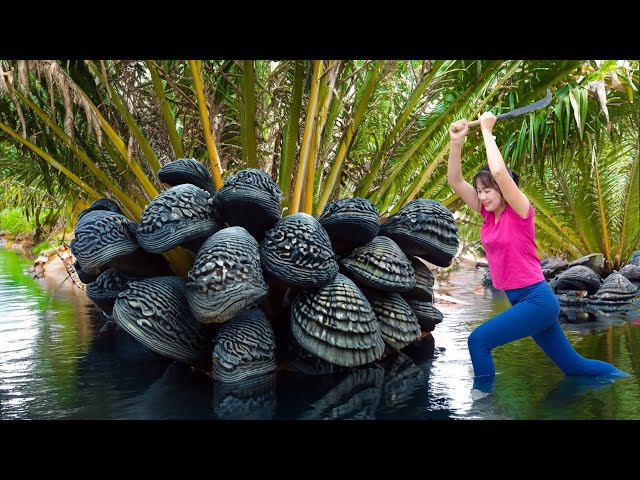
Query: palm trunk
x: 128, y: 118
x: 290, y: 138
x: 307, y: 138
x: 248, y: 123
x: 206, y: 126
x: 374, y: 76
x: 169, y: 120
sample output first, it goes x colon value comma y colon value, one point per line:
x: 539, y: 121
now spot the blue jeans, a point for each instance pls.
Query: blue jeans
x: 534, y: 313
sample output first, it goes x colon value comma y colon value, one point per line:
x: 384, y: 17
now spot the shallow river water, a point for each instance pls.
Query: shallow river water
x: 56, y: 363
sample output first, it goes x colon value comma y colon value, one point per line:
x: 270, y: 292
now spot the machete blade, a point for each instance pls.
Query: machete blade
x: 528, y: 108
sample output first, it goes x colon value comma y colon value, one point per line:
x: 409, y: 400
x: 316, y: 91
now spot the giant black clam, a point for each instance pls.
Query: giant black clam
x: 222, y: 316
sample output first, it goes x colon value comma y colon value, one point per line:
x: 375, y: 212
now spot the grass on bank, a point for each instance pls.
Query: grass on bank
x: 14, y: 223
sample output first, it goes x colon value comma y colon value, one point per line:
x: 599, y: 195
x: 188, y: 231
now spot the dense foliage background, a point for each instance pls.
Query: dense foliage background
x: 73, y: 131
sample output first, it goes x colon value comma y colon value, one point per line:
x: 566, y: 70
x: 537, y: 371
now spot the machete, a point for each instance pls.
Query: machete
x: 519, y: 111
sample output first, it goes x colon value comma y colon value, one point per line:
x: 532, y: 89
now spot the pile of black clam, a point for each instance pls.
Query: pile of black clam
x: 317, y: 295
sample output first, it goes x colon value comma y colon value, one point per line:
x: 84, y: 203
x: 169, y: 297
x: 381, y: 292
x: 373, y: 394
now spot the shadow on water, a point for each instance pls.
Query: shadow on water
x: 60, y: 359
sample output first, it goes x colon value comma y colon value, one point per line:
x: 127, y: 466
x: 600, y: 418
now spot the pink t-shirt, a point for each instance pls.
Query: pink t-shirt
x: 510, y: 246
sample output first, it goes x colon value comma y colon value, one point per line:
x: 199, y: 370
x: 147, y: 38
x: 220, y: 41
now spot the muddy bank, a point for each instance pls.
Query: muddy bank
x: 56, y: 264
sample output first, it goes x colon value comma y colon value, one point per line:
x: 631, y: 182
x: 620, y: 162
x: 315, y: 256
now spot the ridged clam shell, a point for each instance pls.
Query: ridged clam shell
x: 226, y: 276
x: 578, y: 277
x: 425, y: 228
x: 105, y: 289
x: 380, y: 264
x: 176, y: 216
x: 356, y: 397
x: 85, y: 277
x: 551, y: 266
x: 571, y: 299
x: 424, y: 281
x: 297, y: 250
x: 254, y: 398
x: 337, y: 324
x: 616, y: 288
x: 101, y: 236
x: 187, y: 170
x: 155, y: 312
x: 595, y: 261
x: 350, y: 223
x: 244, y: 347
x: 398, y: 324
x: 100, y: 204
x: 428, y: 315
x: 300, y: 360
x: 250, y: 199
x: 631, y: 272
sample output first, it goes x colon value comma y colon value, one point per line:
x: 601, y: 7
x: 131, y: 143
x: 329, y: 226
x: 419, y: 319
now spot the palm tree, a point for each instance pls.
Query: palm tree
x: 322, y: 129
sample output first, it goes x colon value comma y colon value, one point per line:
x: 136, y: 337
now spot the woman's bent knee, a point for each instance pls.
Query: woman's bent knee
x: 477, y: 341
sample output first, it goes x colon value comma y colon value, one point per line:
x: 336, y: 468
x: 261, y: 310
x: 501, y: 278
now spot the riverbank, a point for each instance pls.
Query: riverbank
x: 22, y: 245
x: 55, y: 263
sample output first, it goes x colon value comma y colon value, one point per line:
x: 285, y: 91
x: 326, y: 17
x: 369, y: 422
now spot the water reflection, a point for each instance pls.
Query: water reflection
x: 179, y: 393
x: 253, y: 398
x: 60, y: 359
x: 116, y: 367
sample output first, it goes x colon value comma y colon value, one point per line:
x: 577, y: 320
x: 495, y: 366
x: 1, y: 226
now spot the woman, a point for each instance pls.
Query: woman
x: 508, y: 237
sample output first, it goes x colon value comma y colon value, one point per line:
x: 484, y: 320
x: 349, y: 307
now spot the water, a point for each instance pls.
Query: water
x: 56, y: 363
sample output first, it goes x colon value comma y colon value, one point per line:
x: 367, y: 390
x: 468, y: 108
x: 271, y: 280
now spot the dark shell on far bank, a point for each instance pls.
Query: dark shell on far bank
x: 425, y: 228
x: 632, y: 273
x: 578, y: 277
x: 244, y: 347
x: 616, y: 289
x: 551, y: 266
